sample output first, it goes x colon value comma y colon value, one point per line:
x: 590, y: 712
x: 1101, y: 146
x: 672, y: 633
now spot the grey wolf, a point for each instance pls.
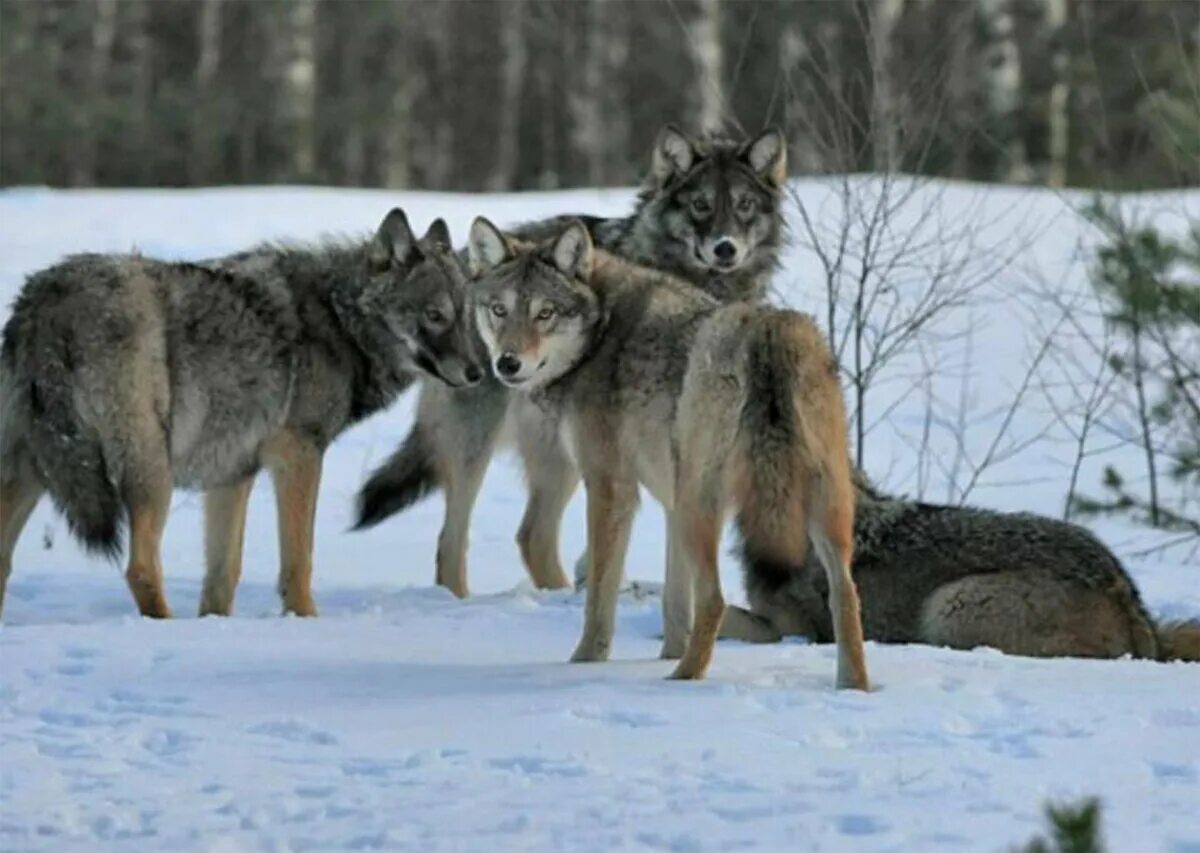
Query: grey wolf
x: 963, y: 577
x: 713, y: 408
x: 709, y: 212
x: 122, y: 377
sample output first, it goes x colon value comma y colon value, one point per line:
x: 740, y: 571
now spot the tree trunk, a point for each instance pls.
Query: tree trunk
x: 300, y: 88
x: 104, y: 29
x: 704, y: 41
x: 1004, y: 86
x: 512, y: 80
x: 1060, y: 95
x: 884, y: 16
x: 203, y: 139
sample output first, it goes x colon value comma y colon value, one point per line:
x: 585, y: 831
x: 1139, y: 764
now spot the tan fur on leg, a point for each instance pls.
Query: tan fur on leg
x: 700, y: 537
x: 741, y: 624
x: 296, y: 469
x: 17, y: 500
x: 610, y: 509
x: 677, y: 601
x: 145, y: 574
x: 552, y: 480
x: 224, y: 534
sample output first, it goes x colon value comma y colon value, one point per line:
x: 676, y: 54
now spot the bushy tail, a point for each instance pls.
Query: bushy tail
x: 42, y: 436
x: 407, y: 477
x: 1179, y: 640
x: 797, y: 476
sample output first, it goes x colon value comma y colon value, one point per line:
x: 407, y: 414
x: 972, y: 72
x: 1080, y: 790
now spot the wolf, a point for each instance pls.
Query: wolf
x: 122, y: 377
x: 709, y: 212
x: 710, y: 407
x: 963, y: 577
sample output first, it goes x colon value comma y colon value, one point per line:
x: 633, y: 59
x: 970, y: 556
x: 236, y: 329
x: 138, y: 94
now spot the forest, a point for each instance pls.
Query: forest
x: 537, y: 94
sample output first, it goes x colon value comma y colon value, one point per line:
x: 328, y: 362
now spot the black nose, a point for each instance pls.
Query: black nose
x: 508, y: 365
x: 725, y: 250
x: 472, y: 374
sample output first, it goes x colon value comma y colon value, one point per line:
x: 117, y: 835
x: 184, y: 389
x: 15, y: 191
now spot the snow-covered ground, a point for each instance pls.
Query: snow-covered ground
x: 403, y: 718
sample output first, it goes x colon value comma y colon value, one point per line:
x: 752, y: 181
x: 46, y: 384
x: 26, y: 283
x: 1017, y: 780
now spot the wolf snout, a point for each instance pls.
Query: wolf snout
x: 472, y: 374
x: 508, y: 365
x: 726, y: 251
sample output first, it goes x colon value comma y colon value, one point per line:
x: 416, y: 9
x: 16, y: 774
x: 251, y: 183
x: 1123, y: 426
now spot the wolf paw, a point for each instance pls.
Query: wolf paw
x: 590, y: 651
x: 688, y: 671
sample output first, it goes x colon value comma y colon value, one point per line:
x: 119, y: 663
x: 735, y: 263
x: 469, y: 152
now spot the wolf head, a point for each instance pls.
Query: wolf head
x: 416, y: 289
x: 534, y: 309
x: 713, y: 207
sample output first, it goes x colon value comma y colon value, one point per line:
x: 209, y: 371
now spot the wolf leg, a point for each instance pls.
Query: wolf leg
x: 148, y: 507
x: 1022, y: 613
x: 698, y: 535
x: 296, y: 470
x: 461, y: 479
x: 832, y: 540
x: 18, y: 496
x: 224, y: 534
x: 611, y: 504
x: 742, y: 624
x: 552, y: 478
x: 677, y: 599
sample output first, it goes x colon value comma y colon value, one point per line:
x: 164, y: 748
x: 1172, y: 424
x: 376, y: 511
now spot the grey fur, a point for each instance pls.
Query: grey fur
x: 663, y: 232
x: 964, y: 577
x: 712, y: 408
x: 123, y: 376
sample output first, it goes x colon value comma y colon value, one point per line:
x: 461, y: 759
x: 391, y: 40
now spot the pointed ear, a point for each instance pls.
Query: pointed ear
x: 767, y: 155
x: 674, y: 153
x: 438, y: 235
x: 572, y: 251
x: 394, y: 241
x: 487, y: 247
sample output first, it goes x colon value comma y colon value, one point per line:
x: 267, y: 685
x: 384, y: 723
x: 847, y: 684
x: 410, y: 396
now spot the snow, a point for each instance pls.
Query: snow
x: 405, y: 719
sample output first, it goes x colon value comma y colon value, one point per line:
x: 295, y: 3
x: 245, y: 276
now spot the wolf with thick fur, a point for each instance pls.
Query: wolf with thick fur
x: 963, y: 577
x: 712, y: 408
x: 122, y: 377
x: 710, y: 212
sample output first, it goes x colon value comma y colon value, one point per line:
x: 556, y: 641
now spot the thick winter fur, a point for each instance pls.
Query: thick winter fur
x: 962, y: 577
x: 713, y: 408
x: 710, y: 212
x: 122, y: 377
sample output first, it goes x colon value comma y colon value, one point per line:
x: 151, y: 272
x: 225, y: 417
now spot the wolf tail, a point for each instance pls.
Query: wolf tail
x: 1179, y: 640
x: 407, y: 477
x: 43, y: 437
x: 796, y: 483
x: 794, y: 479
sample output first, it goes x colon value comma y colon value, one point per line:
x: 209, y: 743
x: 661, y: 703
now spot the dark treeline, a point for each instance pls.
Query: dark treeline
x: 517, y: 94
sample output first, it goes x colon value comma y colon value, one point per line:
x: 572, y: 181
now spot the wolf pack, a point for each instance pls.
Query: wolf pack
x: 628, y: 353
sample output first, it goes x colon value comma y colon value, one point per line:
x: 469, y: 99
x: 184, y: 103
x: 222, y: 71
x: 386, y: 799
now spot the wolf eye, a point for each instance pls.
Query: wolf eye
x: 746, y: 204
x: 700, y: 206
x: 499, y: 310
x: 546, y: 313
x: 434, y: 316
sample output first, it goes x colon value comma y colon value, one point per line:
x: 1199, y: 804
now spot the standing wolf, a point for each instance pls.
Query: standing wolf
x: 710, y: 212
x: 121, y: 377
x: 711, y: 407
x: 961, y: 577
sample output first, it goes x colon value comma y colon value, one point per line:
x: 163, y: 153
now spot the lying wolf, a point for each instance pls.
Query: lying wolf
x: 710, y: 212
x: 961, y: 577
x: 122, y: 377
x: 711, y: 407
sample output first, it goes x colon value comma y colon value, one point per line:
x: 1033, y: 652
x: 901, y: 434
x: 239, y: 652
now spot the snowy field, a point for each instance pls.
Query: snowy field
x: 405, y: 719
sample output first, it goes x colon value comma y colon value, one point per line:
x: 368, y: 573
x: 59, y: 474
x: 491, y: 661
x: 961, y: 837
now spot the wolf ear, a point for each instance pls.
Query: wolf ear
x: 673, y: 153
x: 486, y: 247
x: 767, y: 155
x: 572, y: 251
x: 438, y: 235
x: 394, y: 241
